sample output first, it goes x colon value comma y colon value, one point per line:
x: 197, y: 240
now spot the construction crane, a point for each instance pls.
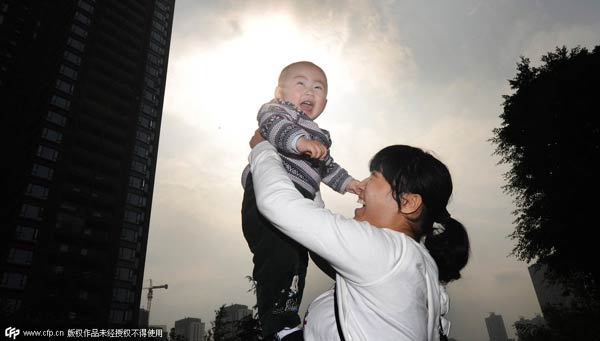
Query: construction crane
x: 150, y: 292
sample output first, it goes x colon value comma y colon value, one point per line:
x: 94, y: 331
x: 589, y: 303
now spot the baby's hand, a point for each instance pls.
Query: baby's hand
x: 354, y: 187
x: 312, y: 148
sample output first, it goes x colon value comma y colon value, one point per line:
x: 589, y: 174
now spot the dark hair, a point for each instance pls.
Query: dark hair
x: 411, y: 170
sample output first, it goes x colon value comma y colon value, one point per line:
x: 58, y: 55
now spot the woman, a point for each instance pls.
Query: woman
x: 389, y: 286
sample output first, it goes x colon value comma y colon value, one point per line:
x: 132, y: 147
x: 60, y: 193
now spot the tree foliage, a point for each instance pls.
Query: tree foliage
x: 217, y: 332
x: 550, y: 137
x: 578, y: 322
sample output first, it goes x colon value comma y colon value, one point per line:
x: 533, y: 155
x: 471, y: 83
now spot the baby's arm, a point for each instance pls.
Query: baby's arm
x: 353, y: 187
x: 279, y: 127
x: 312, y: 148
x: 338, y: 178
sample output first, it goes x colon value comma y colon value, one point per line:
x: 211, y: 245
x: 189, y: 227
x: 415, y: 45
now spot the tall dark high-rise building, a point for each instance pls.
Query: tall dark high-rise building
x: 549, y: 294
x: 81, y: 85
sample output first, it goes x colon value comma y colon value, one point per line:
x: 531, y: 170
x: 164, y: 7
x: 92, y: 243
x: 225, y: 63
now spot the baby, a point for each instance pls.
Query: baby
x: 280, y: 263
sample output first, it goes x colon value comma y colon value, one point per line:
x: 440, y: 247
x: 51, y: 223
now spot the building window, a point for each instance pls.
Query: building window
x: 136, y: 200
x: 162, y: 7
x: 10, y: 305
x: 150, y: 97
x: 159, y: 26
x: 79, y: 31
x: 52, y: 135
x: 142, y: 136
x: 146, y: 122
x: 136, y: 182
x: 146, y: 109
x: 76, y: 44
x: 85, y: 6
x: 65, y: 219
x: 68, y: 72
x: 56, y: 118
x: 42, y: 171
x: 80, y: 17
x: 152, y: 71
x: 158, y: 37
x: 37, y: 191
x: 63, y: 248
x: 133, y: 217
x: 119, y: 316
x: 128, y: 235
x: 67, y: 206
x: 122, y: 295
x: 64, y: 86
x: 140, y: 151
x: 47, y: 153
x: 125, y: 274
x: 26, y: 233
x: 155, y: 48
x: 13, y: 280
x: 138, y: 166
x: 83, y: 252
x: 31, y: 212
x: 60, y: 102
x: 20, y: 256
x: 155, y: 60
x: 160, y: 16
x: 126, y: 253
x: 72, y: 57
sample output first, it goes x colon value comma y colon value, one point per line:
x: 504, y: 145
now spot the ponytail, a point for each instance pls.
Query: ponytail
x: 449, y: 246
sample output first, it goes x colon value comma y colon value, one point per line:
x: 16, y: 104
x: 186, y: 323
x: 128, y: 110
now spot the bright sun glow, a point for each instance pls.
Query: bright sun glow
x: 229, y: 82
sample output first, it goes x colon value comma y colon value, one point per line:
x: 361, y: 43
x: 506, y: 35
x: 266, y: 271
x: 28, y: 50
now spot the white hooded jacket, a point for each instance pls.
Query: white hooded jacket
x: 387, y: 283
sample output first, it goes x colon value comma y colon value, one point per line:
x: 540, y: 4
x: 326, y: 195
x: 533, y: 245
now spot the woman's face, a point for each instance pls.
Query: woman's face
x: 378, y: 202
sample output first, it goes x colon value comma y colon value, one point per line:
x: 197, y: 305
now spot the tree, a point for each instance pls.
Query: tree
x: 249, y: 329
x: 550, y: 137
x: 217, y: 332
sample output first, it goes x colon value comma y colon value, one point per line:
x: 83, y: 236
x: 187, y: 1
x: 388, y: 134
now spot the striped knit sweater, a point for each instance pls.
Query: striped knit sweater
x: 282, y: 125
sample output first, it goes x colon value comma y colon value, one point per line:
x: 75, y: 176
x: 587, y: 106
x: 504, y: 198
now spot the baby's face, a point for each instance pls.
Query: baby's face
x: 305, y: 86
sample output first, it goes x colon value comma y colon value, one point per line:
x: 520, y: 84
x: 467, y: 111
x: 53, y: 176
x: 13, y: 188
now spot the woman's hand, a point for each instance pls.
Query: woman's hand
x: 256, y: 138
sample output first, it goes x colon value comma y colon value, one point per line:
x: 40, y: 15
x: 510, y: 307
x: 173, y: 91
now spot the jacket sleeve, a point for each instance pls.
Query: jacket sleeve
x: 357, y: 250
x: 278, y: 127
x: 334, y: 175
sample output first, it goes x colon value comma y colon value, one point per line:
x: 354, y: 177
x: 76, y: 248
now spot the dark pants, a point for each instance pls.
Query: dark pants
x: 279, y: 266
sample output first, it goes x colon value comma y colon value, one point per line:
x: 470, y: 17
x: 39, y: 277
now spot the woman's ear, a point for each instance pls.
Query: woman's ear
x: 411, y: 203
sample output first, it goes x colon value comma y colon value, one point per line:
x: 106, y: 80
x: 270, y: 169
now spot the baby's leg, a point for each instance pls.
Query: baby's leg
x: 279, y: 269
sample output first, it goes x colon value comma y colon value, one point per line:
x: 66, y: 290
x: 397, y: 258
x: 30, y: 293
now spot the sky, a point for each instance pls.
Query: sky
x: 429, y: 74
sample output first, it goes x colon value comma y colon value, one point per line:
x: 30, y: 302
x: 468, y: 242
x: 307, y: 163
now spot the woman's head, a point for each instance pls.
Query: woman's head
x: 419, y: 179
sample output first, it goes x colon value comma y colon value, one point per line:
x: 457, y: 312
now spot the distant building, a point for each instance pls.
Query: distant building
x: 233, y: 314
x: 548, y: 294
x: 143, y: 320
x: 495, y: 327
x: 236, y: 312
x: 192, y: 329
